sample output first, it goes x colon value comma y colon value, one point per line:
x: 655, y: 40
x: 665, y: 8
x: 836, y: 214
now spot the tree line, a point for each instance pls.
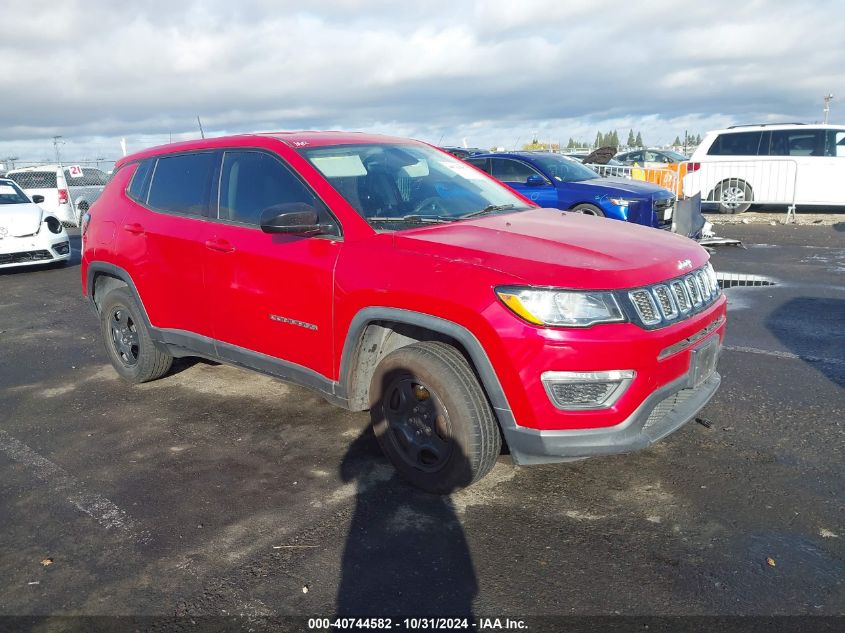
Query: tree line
x: 611, y: 139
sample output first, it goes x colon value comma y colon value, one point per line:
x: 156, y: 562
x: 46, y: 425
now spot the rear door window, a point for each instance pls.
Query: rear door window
x: 181, y: 183
x: 800, y: 142
x: 736, y: 144
x: 35, y: 179
x: 482, y: 163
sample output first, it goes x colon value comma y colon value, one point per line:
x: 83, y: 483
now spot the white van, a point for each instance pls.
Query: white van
x: 789, y: 163
x: 69, y: 190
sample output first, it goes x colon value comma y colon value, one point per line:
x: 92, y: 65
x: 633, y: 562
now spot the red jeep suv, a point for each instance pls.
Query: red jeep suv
x: 389, y: 276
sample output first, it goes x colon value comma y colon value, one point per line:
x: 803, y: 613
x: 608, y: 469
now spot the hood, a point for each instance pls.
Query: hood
x: 21, y: 219
x: 613, y: 184
x: 547, y: 247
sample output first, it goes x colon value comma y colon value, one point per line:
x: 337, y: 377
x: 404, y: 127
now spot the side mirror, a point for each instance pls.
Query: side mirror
x: 292, y: 219
x: 37, y: 199
x: 535, y: 181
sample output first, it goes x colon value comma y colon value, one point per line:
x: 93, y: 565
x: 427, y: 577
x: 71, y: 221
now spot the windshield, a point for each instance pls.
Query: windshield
x: 675, y: 156
x: 10, y: 194
x: 564, y: 169
x: 394, y: 185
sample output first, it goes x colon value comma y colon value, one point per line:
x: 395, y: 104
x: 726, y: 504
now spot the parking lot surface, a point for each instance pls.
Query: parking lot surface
x: 219, y: 491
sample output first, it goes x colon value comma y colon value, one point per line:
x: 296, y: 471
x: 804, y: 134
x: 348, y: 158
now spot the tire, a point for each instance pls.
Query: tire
x: 588, y: 209
x: 732, y: 196
x: 432, y: 418
x: 132, y: 352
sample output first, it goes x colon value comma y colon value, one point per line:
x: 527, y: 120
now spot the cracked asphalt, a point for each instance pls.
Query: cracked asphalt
x: 216, y: 491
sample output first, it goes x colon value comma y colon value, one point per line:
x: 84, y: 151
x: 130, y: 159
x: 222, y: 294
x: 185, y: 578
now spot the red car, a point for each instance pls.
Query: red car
x: 390, y: 276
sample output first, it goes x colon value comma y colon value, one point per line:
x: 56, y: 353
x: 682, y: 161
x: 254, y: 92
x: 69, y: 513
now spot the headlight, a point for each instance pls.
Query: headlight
x: 561, y: 307
x: 53, y: 224
x: 622, y: 202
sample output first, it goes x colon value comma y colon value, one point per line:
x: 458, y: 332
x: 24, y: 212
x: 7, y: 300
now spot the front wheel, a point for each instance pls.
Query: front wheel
x: 432, y: 419
x: 733, y: 196
x: 131, y: 351
x: 588, y: 209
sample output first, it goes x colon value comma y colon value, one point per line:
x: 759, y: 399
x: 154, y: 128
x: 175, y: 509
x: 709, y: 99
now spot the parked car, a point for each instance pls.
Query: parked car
x: 68, y: 191
x: 28, y: 234
x: 582, y: 155
x: 387, y: 275
x: 650, y: 157
x: 552, y: 180
x: 462, y: 152
x: 774, y: 164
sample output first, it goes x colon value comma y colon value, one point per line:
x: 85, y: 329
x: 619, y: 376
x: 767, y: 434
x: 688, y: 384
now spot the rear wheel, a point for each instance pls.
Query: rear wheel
x: 588, y: 209
x: 131, y: 351
x: 733, y: 196
x: 432, y: 419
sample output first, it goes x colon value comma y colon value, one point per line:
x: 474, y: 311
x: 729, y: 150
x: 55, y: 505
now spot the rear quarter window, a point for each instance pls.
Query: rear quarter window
x: 736, y: 144
x: 181, y: 183
x: 140, y: 184
x: 35, y: 179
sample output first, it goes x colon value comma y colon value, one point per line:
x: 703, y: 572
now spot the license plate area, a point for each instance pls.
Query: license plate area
x: 703, y: 361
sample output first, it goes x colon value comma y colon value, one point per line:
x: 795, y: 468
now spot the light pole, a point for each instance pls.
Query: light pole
x: 827, y: 100
x: 56, y: 143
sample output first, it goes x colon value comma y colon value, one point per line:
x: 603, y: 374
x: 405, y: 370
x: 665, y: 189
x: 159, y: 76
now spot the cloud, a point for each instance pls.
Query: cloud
x: 491, y: 71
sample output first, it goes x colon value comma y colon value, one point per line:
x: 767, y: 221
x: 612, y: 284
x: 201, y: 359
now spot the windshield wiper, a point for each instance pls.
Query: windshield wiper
x: 487, y: 210
x: 412, y: 219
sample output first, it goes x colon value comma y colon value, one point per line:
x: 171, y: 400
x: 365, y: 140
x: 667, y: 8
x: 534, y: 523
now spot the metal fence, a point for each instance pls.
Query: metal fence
x: 102, y: 164
x: 734, y: 185
x: 664, y: 177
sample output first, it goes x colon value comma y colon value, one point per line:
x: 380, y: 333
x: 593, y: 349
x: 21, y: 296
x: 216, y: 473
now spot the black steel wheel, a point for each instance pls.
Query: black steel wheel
x: 133, y: 354
x: 432, y: 418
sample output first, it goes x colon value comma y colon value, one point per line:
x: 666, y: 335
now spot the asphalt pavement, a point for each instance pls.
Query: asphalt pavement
x: 217, y: 491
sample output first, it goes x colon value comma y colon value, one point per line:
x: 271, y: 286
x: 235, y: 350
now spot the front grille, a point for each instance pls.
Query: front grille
x: 660, y: 304
x: 666, y: 406
x: 25, y: 256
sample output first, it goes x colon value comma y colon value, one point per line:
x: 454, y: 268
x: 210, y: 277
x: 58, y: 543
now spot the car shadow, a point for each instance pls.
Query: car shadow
x: 811, y: 327
x: 406, y: 554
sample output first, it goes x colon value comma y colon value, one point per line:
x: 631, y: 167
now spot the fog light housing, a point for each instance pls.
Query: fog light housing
x: 62, y: 248
x: 575, y: 390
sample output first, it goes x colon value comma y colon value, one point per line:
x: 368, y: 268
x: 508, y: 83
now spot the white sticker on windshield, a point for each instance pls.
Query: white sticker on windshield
x: 75, y: 171
x: 7, y: 190
x: 340, y: 166
x: 464, y: 170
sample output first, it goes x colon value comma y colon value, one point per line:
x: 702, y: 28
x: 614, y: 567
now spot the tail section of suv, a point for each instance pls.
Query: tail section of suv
x: 391, y: 277
x: 67, y: 191
x: 787, y: 163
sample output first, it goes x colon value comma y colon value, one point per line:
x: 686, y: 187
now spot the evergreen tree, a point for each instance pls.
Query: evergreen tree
x: 614, y: 139
x: 599, y: 139
x: 698, y: 139
x: 639, y: 140
x: 631, y: 140
x: 677, y: 141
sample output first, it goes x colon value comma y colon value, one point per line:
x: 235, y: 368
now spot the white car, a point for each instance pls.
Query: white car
x: 790, y: 163
x: 68, y: 191
x: 28, y: 234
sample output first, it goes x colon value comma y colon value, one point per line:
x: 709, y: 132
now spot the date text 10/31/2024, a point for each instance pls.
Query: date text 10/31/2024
x: 422, y: 624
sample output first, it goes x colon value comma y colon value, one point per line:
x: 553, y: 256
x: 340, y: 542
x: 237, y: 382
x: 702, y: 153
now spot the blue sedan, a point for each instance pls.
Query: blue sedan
x: 555, y: 181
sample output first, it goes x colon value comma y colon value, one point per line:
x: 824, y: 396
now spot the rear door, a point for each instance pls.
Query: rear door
x: 160, y: 240
x: 269, y: 293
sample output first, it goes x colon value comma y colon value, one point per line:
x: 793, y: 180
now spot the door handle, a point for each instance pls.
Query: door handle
x: 221, y: 246
x: 134, y: 228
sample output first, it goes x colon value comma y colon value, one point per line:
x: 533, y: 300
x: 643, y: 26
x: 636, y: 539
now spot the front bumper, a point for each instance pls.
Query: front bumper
x: 33, y: 250
x: 662, y: 413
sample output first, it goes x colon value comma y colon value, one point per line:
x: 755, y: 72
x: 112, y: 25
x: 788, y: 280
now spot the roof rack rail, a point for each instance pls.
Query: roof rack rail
x: 733, y: 127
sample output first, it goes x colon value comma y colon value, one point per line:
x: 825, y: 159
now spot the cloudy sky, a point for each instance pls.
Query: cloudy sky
x: 485, y: 72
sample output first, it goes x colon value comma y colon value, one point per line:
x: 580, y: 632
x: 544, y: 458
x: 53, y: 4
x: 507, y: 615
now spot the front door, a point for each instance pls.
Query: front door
x: 270, y: 293
x: 523, y: 178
